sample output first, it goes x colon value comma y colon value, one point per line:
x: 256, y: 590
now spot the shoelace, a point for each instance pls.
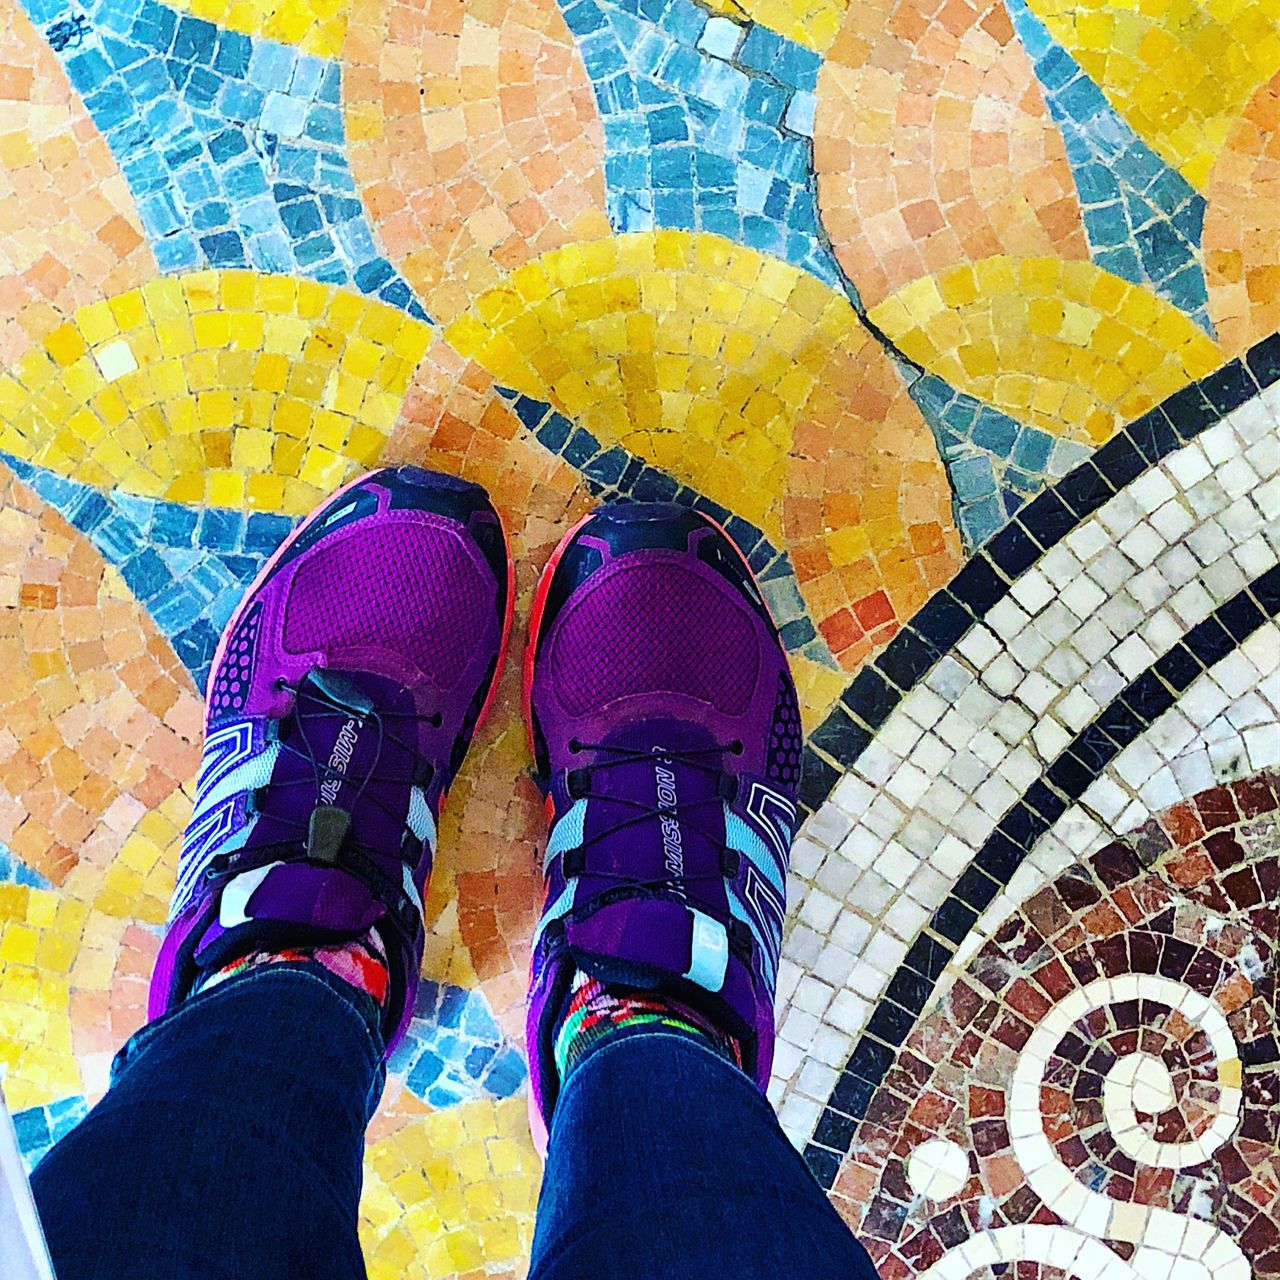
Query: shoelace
x: 226, y: 866
x: 693, y: 758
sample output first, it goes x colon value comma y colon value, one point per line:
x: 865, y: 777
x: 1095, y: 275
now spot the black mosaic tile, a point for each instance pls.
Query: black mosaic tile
x: 1178, y: 667
x: 1148, y: 696
x: 1012, y: 550
x: 1094, y: 750
x: 870, y: 1060
x: 1119, y: 722
x: 978, y: 586
x: 975, y: 888
x: 823, y: 1164
x: 1069, y: 774
x: 928, y: 956
x: 942, y: 620
x: 1048, y: 519
x: 817, y: 778
x: 851, y: 1095
x: 890, y: 1023
x: 835, y: 1131
x: 1266, y: 591
x: 1189, y: 412
x: 1045, y: 801
x: 870, y: 697
x: 1240, y: 616
x: 1119, y: 461
x: 909, y: 989
x: 1263, y: 361
x: 1002, y: 853
x: 906, y: 659
x: 840, y: 737
x: 953, y: 920
x: 1229, y: 387
x: 1021, y: 825
x: 1210, y: 641
x: 1153, y: 436
x: 1085, y: 489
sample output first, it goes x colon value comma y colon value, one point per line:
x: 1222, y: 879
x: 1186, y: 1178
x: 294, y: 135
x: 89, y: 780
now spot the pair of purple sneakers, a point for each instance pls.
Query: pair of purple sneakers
x: 348, y: 685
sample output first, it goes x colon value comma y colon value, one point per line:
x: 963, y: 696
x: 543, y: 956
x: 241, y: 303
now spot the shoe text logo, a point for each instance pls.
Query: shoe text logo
x: 340, y: 759
x: 672, y: 839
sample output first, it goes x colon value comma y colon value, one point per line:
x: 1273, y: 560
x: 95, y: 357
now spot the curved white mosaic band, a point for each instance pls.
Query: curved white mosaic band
x: 880, y: 855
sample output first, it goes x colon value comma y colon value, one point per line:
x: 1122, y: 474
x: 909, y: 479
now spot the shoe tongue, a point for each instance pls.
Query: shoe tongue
x: 342, y: 750
x: 684, y: 833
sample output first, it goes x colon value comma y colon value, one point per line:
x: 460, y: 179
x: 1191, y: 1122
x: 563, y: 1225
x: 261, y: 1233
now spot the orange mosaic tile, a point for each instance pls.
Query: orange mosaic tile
x: 866, y: 512
x: 933, y: 146
x: 474, y: 138
x: 100, y: 721
x: 1242, y: 226
x: 69, y: 232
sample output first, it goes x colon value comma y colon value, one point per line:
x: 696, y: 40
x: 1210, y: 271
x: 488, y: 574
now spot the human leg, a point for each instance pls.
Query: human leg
x: 340, y: 705
x: 666, y: 737
x: 230, y: 1142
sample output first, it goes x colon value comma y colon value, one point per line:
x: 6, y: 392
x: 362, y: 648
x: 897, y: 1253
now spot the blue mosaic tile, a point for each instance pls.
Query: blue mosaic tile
x: 708, y: 126
x: 14, y: 871
x: 613, y: 473
x: 232, y: 145
x: 38, y: 1128
x: 454, y: 1050
x: 995, y: 463
x: 189, y: 567
x: 1143, y: 220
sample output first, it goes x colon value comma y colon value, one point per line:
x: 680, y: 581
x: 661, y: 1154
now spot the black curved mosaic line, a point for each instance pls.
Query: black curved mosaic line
x: 1121, y: 722
x: 990, y: 573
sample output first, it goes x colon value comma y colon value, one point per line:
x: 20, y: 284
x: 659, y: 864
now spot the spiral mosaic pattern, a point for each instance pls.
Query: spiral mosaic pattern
x: 1092, y: 1060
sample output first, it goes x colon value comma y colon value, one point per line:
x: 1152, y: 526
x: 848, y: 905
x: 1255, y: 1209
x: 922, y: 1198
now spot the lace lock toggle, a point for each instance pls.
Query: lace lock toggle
x: 326, y: 831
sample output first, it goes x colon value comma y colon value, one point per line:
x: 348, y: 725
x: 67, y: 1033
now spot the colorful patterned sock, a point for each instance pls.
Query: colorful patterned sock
x: 596, y: 1012
x: 361, y: 963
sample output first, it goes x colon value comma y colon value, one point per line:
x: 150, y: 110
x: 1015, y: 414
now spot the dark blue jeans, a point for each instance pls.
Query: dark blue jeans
x: 229, y: 1147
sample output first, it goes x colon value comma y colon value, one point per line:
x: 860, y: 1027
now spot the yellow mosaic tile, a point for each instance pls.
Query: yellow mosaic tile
x: 817, y: 687
x: 814, y: 23
x: 695, y: 354
x: 1060, y: 345
x: 228, y: 388
x: 1179, y: 71
x: 450, y: 1193
x: 315, y: 26
x: 751, y: 381
x: 38, y: 930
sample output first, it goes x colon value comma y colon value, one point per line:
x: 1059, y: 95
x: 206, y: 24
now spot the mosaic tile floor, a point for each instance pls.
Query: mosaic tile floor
x: 961, y: 314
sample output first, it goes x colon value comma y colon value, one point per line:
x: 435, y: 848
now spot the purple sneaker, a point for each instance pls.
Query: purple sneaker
x: 340, y: 704
x: 666, y: 737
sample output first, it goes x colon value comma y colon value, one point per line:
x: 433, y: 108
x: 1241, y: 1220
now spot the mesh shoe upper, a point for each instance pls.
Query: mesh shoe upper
x: 340, y: 705
x: 666, y: 735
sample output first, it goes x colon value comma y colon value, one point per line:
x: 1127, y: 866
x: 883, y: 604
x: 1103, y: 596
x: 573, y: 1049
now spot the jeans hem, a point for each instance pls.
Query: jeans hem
x: 344, y: 993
